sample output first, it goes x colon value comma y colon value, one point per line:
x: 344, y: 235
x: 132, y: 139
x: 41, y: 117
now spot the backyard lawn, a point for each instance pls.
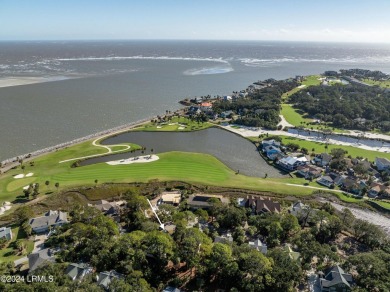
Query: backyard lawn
x: 7, y: 254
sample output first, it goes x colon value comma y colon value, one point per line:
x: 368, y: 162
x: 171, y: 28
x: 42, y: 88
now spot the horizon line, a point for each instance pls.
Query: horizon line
x: 189, y: 40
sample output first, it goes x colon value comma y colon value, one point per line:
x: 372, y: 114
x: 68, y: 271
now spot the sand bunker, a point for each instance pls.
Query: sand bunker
x: 138, y: 159
x: 19, y: 175
x: 302, y: 86
x: 159, y: 127
x: 29, y: 174
x: 181, y: 128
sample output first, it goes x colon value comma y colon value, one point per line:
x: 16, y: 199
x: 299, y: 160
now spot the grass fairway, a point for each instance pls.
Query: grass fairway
x: 385, y: 83
x: 293, y: 117
x: 320, y: 148
x: 188, y: 167
x: 176, y: 124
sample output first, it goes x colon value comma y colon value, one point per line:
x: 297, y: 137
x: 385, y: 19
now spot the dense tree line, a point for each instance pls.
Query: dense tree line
x: 260, y: 108
x: 151, y: 259
x: 350, y: 106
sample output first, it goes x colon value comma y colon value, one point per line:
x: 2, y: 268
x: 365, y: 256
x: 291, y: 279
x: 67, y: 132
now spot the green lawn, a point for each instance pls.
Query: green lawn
x: 320, y: 148
x: 292, y: 116
x: 385, y: 84
x: 189, y: 167
x: 308, y: 81
x: 383, y: 204
x: 7, y: 254
x: 179, y: 124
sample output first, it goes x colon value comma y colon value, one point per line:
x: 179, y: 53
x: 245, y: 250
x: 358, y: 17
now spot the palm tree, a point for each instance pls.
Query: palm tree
x: 96, y: 182
x: 47, y: 183
x: 57, y: 185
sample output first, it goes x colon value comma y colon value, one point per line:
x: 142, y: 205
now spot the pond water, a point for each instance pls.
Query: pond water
x: 233, y: 150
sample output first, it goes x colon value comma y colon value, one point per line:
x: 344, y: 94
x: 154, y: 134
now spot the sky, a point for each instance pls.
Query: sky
x: 284, y: 20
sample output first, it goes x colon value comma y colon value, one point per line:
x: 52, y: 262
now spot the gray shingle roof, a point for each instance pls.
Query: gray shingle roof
x: 49, y: 219
x: 336, y: 276
x: 37, y: 259
x: 105, y: 278
x: 77, y: 271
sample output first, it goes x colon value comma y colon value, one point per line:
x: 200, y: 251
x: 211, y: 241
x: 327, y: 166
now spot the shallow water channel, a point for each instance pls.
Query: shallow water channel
x: 233, y: 150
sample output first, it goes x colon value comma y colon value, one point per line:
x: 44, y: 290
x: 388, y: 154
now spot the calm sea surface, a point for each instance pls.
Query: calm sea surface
x: 103, y: 84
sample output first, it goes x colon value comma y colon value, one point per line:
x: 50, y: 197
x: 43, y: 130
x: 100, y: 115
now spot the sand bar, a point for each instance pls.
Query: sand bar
x: 138, y: 159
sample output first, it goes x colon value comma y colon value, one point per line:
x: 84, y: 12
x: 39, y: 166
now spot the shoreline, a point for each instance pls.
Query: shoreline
x: 242, y: 131
x: 9, y: 163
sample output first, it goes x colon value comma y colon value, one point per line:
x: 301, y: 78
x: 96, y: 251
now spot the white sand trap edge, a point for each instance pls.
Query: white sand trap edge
x: 26, y: 187
x: 29, y: 174
x: 302, y: 86
x: 159, y: 127
x: 138, y: 159
x: 181, y: 128
x: 19, y: 175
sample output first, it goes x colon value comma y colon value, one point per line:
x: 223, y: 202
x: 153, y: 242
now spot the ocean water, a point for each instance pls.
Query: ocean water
x: 96, y: 85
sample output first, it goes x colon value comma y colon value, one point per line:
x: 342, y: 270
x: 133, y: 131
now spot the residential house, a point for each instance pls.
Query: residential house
x: 171, y: 289
x: 227, y: 98
x: 272, y: 152
x: 226, y: 114
x: 336, y: 280
x: 258, y: 245
x: 271, y: 142
x: 226, y: 238
x: 292, y: 254
x: 194, y: 110
x: 203, y: 201
x: 323, y: 159
x: 309, y: 172
x: 172, y: 198
x: 375, y: 189
x: 206, y: 106
x: 326, y: 180
x: 338, y: 179
x: 291, y: 163
x: 109, y: 208
x: 302, y: 212
x: 40, y: 258
x: 51, y: 219
x: 382, y: 163
x: 104, y: 279
x: 6, y: 232
x: 352, y: 185
x: 262, y: 205
x: 298, y: 209
x: 78, y: 271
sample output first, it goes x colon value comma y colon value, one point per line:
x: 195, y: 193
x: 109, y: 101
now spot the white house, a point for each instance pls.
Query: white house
x: 6, y: 232
x: 382, y: 163
x: 227, y: 98
x: 292, y: 163
x: 258, y: 245
x: 49, y: 220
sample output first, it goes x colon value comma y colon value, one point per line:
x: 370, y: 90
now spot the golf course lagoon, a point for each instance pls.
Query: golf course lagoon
x: 237, y: 153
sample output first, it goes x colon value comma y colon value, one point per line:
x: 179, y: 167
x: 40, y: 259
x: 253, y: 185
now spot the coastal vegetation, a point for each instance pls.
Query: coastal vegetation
x: 351, y: 106
x: 261, y: 107
x: 211, y: 248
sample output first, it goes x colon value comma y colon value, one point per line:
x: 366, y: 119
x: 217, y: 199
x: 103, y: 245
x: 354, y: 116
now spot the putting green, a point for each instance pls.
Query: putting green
x: 18, y: 184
